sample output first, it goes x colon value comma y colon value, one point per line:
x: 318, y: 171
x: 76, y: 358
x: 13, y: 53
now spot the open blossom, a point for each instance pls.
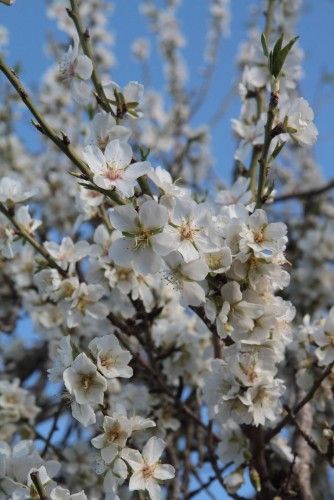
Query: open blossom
x: 324, y: 338
x: 85, y: 301
x: 189, y: 229
x: 184, y: 277
x: 147, y: 469
x: 76, y: 69
x: 84, y: 381
x: 104, y: 129
x: 112, y: 360
x: 144, y: 240
x: 236, y: 313
x: 262, y: 237
x: 116, y: 431
x: 300, y: 117
x: 11, y: 190
x: 113, y: 168
x: 67, y: 252
x: 133, y: 94
x: 263, y: 401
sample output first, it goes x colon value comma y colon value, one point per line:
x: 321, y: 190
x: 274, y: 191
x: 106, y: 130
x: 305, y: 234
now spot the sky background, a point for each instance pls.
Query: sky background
x: 28, y: 24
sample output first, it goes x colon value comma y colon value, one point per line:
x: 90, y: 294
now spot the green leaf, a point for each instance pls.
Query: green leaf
x: 275, y: 55
x: 282, y: 55
x: 132, y: 105
x: 264, y: 45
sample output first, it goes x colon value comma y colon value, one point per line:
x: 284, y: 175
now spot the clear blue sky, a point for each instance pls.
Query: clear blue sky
x: 28, y: 24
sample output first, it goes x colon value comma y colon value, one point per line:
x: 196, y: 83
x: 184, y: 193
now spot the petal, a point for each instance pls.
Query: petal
x: 133, y: 458
x: 83, y: 413
x: 154, y: 489
x: 84, y: 67
x: 164, y: 471
x: 192, y: 294
x: 109, y: 453
x: 135, y: 170
x: 153, y: 449
x: 146, y: 261
x: 119, y: 153
x: 126, y: 187
x: 196, y: 270
x: 188, y: 251
x: 121, y: 252
x: 152, y: 215
x: 137, y: 482
x: 163, y: 243
x: 95, y: 159
x: 124, y: 218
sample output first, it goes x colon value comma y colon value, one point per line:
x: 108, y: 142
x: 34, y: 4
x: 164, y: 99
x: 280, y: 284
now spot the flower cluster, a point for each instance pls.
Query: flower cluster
x: 162, y: 311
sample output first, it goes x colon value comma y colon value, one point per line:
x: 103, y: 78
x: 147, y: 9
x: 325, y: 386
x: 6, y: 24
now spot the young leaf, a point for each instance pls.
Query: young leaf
x: 264, y: 45
x: 284, y: 53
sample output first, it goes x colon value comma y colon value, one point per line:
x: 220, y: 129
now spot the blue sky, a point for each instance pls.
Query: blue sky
x: 27, y: 23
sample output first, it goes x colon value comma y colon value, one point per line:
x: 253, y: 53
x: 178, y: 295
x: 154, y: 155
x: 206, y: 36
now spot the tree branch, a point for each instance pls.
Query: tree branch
x: 289, y: 417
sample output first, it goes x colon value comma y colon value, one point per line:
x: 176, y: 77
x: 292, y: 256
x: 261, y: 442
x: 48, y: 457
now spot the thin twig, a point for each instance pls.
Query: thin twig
x: 61, y: 141
x: 289, y: 417
x: 34, y: 243
x: 38, y: 485
x: 305, y: 194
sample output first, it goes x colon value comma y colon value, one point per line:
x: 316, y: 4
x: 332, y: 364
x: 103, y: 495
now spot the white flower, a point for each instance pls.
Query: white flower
x: 266, y: 240
x: 219, y: 261
x: 147, y: 469
x: 144, y: 239
x: 116, y: 431
x: 60, y: 493
x: 189, y: 226
x: 85, y: 302
x: 162, y: 178
x: 112, y: 360
x: 184, y: 277
x: 113, y: 168
x: 84, y: 382
x: 238, y: 193
x: 324, y: 338
x: 300, y: 119
x: 103, y: 129
x: 75, y: 68
x: 141, y: 48
x: 47, y: 281
x: 63, y: 359
x: 67, y: 252
x: 133, y: 94
x: 263, y: 401
x: 11, y: 190
x: 236, y: 313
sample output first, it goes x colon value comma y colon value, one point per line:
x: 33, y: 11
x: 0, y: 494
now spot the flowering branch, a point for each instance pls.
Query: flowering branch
x: 27, y: 237
x: 62, y: 142
x: 87, y: 49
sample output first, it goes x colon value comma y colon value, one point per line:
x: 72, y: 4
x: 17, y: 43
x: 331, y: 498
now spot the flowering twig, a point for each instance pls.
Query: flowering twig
x: 84, y: 38
x: 34, y: 243
x: 61, y: 141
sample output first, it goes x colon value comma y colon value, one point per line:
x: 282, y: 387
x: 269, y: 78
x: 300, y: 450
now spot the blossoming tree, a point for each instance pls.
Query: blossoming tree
x: 183, y: 331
